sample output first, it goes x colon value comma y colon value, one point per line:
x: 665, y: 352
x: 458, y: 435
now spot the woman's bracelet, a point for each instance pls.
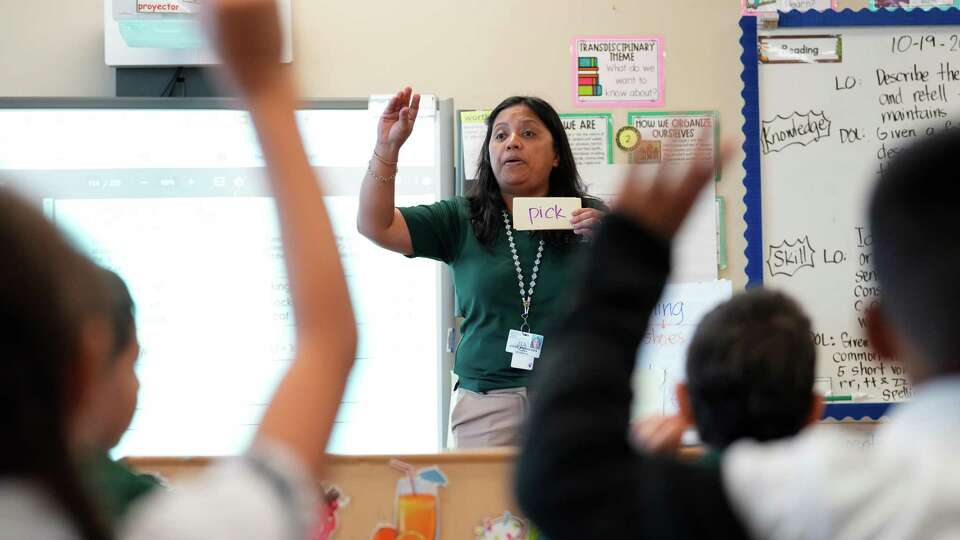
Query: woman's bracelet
x: 380, y: 179
x: 382, y: 160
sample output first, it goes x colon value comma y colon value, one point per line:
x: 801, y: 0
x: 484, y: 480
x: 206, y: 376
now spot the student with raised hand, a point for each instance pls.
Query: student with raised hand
x: 271, y: 492
x: 749, y: 375
x: 56, y: 340
x: 525, y: 154
x: 248, y: 38
x: 578, y: 477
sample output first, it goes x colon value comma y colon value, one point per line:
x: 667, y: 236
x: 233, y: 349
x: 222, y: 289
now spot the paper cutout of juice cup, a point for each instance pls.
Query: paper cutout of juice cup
x: 415, y: 508
x: 417, y: 512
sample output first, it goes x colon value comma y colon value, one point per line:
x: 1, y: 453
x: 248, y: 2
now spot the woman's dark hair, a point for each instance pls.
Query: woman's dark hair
x: 122, y: 311
x: 48, y: 292
x: 485, y: 203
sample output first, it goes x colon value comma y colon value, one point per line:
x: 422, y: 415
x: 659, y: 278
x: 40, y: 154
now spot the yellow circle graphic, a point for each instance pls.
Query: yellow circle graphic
x: 627, y: 138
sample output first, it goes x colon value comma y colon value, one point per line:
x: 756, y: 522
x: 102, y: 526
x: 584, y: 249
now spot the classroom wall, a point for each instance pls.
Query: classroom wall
x: 475, y: 52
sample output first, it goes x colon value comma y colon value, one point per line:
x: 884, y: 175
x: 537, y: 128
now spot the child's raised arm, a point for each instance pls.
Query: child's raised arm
x: 300, y: 416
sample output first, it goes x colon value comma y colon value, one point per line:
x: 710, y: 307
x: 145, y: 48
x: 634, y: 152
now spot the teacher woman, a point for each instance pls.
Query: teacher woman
x: 510, y: 285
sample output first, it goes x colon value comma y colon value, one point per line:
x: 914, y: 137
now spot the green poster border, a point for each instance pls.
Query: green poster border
x: 633, y: 115
x: 609, y: 117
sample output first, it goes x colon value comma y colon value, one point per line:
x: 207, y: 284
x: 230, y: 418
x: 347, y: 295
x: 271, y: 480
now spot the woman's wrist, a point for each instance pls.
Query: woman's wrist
x: 387, y: 153
x: 388, y: 162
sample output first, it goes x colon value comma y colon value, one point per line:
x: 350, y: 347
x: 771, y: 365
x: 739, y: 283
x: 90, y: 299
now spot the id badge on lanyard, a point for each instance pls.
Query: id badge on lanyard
x: 525, y: 347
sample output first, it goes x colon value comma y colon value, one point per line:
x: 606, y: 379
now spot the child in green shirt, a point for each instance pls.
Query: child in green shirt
x: 114, y: 483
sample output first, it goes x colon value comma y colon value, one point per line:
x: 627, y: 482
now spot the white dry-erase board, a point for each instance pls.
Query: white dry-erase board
x: 171, y: 194
x: 829, y: 98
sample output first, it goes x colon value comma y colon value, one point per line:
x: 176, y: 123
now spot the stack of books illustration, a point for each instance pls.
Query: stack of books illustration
x: 588, y: 76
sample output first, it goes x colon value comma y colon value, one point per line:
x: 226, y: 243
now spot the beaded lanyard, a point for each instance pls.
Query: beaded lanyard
x: 525, y: 295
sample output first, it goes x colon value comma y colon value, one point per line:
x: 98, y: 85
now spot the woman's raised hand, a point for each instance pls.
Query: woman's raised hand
x: 396, y: 123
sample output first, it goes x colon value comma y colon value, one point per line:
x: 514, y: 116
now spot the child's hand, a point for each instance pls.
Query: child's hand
x: 246, y: 34
x: 662, y: 200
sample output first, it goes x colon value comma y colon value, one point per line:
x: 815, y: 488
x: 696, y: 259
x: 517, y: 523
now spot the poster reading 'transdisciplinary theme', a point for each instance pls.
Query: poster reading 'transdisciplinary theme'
x: 618, y: 71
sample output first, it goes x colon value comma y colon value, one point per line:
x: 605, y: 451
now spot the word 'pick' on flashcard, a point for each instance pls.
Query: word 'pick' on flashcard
x: 543, y: 213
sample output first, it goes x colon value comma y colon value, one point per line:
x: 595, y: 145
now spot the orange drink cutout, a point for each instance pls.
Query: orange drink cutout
x: 415, y: 507
x: 417, y: 513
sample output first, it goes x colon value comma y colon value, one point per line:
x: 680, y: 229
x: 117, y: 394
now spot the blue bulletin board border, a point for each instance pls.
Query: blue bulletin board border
x: 856, y: 411
x: 753, y: 233
x: 753, y: 216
